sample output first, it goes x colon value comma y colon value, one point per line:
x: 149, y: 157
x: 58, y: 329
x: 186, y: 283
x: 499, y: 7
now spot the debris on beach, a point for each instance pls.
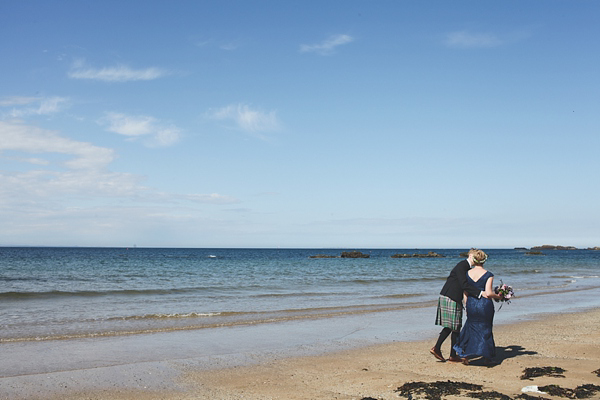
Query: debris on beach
x: 435, y: 390
x: 534, y: 372
x: 531, y: 389
x: 597, y: 372
x: 580, y: 392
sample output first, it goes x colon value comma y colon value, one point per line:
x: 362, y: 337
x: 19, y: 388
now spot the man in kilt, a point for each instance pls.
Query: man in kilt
x: 449, y: 309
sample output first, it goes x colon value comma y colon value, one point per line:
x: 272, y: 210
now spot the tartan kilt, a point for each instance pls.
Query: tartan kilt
x: 449, y: 313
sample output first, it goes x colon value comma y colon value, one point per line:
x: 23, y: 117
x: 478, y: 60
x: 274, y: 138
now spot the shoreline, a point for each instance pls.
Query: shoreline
x: 566, y: 340
x: 159, y: 323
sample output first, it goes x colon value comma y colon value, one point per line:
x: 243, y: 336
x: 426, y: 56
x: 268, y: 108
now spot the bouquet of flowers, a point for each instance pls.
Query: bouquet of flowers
x: 505, y: 291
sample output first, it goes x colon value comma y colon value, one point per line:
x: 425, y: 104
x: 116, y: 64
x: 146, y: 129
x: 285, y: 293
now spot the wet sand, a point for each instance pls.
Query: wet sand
x: 567, y: 341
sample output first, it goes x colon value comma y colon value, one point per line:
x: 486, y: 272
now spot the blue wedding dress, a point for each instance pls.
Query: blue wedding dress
x: 476, y: 338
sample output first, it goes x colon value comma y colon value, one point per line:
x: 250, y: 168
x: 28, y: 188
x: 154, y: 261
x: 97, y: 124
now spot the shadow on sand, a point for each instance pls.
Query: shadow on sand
x: 502, y: 353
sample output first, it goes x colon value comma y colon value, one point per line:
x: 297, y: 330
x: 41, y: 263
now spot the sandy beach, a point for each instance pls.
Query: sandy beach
x: 567, y: 341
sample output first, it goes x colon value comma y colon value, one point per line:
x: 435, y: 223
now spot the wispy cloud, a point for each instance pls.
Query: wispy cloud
x: 120, y: 73
x: 27, y: 106
x: 227, y: 45
x: 155, y: 133
x: 246, y: 118
x: 464, y: 39
x: 213, y: 198
x: 80, y: 173
x: 17, y: 101
x: 327, y: 46
x: 80, y: 170
x: 20, y: 137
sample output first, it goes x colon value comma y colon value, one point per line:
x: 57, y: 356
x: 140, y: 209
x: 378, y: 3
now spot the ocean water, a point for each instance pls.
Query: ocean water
x: 84, y: 293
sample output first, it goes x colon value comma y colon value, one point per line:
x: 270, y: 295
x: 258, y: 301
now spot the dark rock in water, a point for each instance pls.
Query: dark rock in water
x: 416, y: 255
x: 345, y: 254
x: 553, y: 247
x: 520, y: 248
x: 323, y: 256
x: 534, y: 253
x: 535, y: 372
x: 354, y: 254
x: 464, y: 254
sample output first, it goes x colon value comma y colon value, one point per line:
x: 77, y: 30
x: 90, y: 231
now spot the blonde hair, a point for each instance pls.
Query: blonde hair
x: 479, y: 256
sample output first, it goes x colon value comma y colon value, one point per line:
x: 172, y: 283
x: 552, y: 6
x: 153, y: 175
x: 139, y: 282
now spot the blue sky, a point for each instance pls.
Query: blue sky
x: 349, y: 124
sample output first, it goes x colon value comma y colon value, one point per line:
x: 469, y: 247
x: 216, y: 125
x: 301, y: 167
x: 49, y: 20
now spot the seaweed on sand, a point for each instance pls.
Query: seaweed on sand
x: 435, y: 390
x: 580, y: 392
x: 491, y: 395
x: 534, y: 372
x: 526, y: 396
x: 597, y: 372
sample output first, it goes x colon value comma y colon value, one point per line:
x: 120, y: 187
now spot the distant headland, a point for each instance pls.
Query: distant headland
x: 537, y: 250
x: 555, y: 247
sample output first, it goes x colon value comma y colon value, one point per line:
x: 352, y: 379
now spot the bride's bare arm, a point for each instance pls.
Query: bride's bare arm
x: 489, y: 289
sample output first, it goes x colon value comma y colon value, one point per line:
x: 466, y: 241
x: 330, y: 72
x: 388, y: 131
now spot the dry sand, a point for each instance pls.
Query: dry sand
x: 568, y: 341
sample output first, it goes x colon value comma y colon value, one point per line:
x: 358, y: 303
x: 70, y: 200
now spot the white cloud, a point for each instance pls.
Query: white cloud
x: 119, y: 73
x: 80, y: 173
x: 27, y: 106
x: 17, y: 101
x: 465, y: 39
x: 28, y: 139
x: 222, y: 44
x: 246, y: 119
x: 84, y: 172
x: 29, y: 160
x: 327, y: 46
x: 156, y: 134
x: 213, y: 198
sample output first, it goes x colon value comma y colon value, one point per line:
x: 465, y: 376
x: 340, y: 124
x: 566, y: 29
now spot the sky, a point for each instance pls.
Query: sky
x: 302, y: 124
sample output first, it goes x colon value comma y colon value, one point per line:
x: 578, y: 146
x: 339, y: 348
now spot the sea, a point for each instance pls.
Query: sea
x: 58, y: 293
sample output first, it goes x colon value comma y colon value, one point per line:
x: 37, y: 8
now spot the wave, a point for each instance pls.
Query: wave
x: 395, y: 280
x: 543, y: 290
x: 166, y: 316
x: 528, y: 271
x: 295, y: 294
x: 92, y: 293
x: 21, y: 279
x: 158, y: 323
x: 401, y: 296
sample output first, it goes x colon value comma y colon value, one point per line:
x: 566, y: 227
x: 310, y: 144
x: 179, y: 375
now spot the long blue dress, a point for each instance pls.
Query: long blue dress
x: 476, y: 338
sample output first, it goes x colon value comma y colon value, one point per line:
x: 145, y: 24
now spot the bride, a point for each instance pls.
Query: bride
x: 476, y: 338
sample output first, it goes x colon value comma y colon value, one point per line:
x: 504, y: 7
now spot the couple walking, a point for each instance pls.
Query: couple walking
x: 470, y: 282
